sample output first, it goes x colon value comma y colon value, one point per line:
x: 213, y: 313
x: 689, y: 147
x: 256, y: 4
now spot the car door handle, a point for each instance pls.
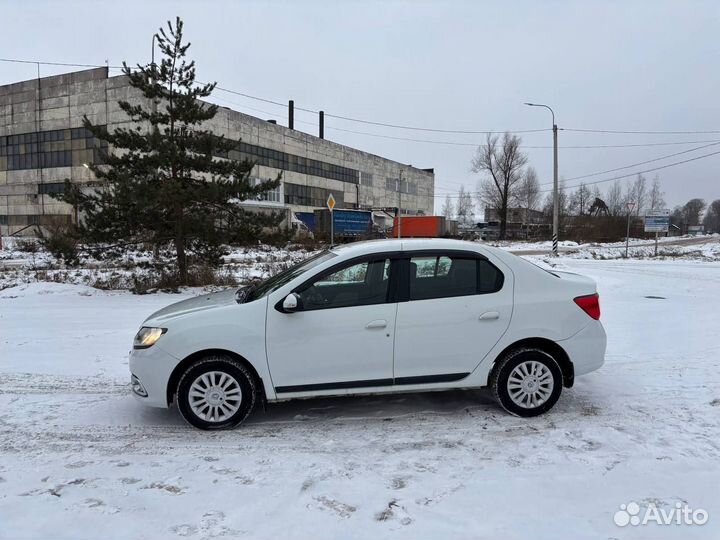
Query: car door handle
x: 489, y: 316
x: 380, y: 323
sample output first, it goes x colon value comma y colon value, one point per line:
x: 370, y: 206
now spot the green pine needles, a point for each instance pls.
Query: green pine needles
x: 164, y: 181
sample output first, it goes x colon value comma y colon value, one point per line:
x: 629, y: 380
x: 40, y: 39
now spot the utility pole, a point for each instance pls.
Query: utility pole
x: 153, y: 81
x: 556, y: 191
x: 630, y: 207
x: 399, y: 189
x: 153, y: 109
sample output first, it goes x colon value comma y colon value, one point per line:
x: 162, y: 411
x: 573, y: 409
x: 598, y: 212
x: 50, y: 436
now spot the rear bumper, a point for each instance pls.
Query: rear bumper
x: 586, y: 349
x: 150, y: 371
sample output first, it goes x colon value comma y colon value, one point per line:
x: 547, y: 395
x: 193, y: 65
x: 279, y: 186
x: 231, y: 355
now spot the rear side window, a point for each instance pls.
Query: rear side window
x: 448, y: 276
x: 490, y: 279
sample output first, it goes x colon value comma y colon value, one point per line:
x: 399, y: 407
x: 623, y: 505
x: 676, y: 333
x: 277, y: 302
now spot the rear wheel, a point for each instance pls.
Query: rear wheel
x: 527, y: 382
x: 217, y: 392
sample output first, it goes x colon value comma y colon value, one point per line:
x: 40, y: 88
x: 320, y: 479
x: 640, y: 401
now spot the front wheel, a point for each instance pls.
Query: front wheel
x: 217, y: 392
x: 527, y: 382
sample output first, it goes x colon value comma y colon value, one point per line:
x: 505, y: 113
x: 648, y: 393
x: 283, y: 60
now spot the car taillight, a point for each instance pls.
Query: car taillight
x: 590, y: 304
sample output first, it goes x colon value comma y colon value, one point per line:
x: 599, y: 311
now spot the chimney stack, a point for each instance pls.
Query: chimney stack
x: 322, y: 124
x: 291, y: 114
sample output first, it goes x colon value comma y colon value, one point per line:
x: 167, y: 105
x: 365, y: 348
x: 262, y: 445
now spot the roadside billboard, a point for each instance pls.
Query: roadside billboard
x: 657, y: 220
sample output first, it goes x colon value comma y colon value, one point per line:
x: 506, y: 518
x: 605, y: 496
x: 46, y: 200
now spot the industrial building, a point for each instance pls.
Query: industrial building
x: 42, y: 143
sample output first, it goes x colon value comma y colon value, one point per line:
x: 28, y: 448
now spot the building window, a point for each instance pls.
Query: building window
x: 272, y: 195
x: 311, y: 196
x: 410, y: 188
x: 3, y: 219
x: 366, y: 179
x: 54, y: 187
x: 290, y: 162
x: 46, y: 149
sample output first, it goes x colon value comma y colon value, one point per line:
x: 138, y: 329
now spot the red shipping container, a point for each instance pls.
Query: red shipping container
x: 420, y: 227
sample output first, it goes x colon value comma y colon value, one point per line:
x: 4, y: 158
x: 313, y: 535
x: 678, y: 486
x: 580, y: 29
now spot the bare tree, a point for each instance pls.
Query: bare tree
x: 638, y: 194
x: 502, y: 162
x: 580, y: 200
x: 614, y: 199
x: 465, y: 210
x: 563, y: 204
x: 447, y: 208
x: 527, y: 194
x: 656, y: 197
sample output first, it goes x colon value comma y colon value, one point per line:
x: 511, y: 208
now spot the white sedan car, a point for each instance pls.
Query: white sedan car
x: 372, y: 317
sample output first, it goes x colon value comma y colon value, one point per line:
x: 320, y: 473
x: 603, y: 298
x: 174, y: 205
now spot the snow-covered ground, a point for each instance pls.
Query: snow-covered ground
x: 705, y: 247
x: 79, y: 458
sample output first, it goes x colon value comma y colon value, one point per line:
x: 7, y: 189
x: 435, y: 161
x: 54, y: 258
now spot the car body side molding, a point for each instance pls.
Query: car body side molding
x: 422, y: 379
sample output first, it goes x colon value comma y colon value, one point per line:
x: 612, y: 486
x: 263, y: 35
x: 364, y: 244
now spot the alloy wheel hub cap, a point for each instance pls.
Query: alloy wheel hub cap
x: 530, y: 384
x: 215, y: 396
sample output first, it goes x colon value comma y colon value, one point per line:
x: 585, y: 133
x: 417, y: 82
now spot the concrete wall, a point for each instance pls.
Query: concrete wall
x: 60, y: 102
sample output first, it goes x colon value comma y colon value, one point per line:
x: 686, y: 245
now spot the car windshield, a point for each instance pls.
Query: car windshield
x: 278, y: 280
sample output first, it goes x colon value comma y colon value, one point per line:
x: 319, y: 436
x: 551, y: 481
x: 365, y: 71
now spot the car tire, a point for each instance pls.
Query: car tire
x: 216, y: 392
x: 527, y: 382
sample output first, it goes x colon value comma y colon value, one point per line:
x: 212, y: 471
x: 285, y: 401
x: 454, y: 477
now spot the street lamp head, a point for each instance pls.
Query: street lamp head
x: 530, y: 104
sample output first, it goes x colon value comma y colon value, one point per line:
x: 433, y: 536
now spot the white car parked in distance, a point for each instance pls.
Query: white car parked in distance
x: 374, y: 317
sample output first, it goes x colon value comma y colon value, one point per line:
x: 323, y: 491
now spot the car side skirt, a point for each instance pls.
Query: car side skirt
x: 372, y: 383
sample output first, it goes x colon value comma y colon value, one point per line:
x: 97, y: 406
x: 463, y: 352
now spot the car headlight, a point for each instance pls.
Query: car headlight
x: 147, y: 336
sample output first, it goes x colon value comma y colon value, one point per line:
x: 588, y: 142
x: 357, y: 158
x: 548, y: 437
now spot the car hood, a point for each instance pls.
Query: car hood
x: 203, y: 302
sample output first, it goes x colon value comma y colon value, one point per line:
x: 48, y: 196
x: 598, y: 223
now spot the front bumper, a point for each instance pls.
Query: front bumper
x: 586, y: 349
x: 150, y: 371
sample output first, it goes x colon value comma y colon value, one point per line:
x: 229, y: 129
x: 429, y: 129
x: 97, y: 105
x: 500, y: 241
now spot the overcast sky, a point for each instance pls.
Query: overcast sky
x: 628, y: 66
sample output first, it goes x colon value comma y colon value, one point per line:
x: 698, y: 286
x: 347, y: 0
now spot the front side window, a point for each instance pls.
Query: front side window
x: 447, y: 276
x: 357, y: 284
x: 286, y: 276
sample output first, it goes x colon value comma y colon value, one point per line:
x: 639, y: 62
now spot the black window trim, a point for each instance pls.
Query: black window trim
x: 399, y: 285
x: 394, y: 256
x: 404, y: 285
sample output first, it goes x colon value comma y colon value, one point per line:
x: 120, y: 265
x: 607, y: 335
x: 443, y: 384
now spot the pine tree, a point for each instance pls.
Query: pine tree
x: 166, y: 180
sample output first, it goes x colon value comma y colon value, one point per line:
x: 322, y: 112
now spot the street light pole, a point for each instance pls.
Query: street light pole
x: 152, y: 64
x: 556, y: 191
x: 399, y: 217
x: 630, y: 206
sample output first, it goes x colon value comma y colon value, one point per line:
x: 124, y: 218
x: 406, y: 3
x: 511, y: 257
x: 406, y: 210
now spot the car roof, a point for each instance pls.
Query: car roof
x: 403, y: 244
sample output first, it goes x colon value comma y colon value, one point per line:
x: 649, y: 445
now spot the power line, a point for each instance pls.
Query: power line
x: 394, y: 126
x: 64, y: 64
x: 623, y: 176
x: 638, y: 163
x: 534, y: 147
x: 643, y: 172
x: 616, y: 131
x: 327, y: 114
x: 473, y: 145
x: 434, y: 130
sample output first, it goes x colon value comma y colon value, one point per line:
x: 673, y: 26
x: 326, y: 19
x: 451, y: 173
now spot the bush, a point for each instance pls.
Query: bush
x: 27, y: 245
x: 169, y: 281
x: 61, y: 242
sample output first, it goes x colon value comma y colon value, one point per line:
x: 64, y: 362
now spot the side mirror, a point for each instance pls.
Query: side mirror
x: 291, y: 303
